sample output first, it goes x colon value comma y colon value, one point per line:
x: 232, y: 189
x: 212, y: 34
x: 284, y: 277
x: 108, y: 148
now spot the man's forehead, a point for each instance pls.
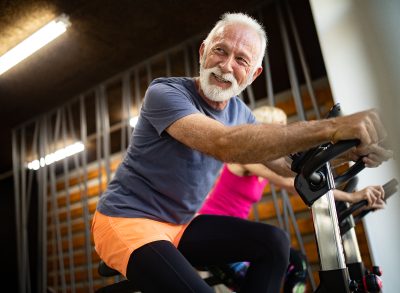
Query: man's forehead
x: 235, y: 29
x: 242, y: 35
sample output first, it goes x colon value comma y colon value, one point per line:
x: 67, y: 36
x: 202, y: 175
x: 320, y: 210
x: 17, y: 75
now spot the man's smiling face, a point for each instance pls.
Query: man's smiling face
x: 228, y: 63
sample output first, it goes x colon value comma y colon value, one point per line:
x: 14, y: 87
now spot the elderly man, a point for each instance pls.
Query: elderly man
x: 146, y: 226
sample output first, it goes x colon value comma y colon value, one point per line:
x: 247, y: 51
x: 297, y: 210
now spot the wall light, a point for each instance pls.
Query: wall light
x: 57, y: 155
x: 34, y: 42
x: 133, y: 121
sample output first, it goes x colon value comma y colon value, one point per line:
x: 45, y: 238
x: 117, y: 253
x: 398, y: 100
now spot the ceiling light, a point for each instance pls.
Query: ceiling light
x: 57, y: 156
x: 34, y: 42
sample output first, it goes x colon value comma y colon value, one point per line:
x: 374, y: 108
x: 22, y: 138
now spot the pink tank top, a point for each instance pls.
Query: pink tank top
x: 233, y: 195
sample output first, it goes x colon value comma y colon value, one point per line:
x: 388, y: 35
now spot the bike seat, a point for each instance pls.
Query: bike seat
x: 105, y: 271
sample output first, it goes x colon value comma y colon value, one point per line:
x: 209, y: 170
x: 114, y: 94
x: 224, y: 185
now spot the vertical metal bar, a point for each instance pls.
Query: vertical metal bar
x: 350, y: 243
x: 327, y: 230
x: 138, y: 98
x: 285, y: 214
x: 168, y: 65
x: 125, y: 113
x: 186, y: 61
x: 250, y: 94
x: 127, y: 104
x: 124, y: 117
x: 195, y: 60
x: 40, y: 263
x: 105, y: 131
x: 68, y: 204
x: 77, y: 167
x: 55, y: 210
x: 292, y: 215
x: 290, y: 63
x: 30, y: 174
x: 351, y: 248
x: 303, y: 61
x: 149, y: 73
x: 268, y: 77
x: 45, y: 147
x: 57, y: 227
x: 276, y: 205
x: 40, y: 251
x: 43, y: 205
x: 255, y: 212
x: 99, y: 125
x: 54, y: 256
x: 84, y: 194
x: 17, y: 199
x: 267, y: 71
x: 24, y: 212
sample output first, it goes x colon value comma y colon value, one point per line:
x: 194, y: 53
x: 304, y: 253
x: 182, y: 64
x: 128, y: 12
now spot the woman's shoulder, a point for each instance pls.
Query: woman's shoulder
x: 237, y: 169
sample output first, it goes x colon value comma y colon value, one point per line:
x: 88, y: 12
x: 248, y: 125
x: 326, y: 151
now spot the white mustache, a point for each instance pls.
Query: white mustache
x: 226, y: 76
x: 214, y: 92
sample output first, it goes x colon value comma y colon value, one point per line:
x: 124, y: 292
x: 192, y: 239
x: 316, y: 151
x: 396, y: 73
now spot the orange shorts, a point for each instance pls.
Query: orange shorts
x: 116, y: 238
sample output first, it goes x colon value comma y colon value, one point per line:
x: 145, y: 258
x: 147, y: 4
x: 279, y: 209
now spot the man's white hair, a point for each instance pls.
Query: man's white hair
x: 240, y: 18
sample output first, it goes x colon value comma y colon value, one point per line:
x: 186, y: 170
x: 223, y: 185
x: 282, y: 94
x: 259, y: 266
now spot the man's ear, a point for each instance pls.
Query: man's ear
x: 201, y: 50
x: 257, y: 73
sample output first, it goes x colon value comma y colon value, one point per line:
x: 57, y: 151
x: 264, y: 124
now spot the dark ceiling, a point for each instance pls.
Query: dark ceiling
x: 105, y: 38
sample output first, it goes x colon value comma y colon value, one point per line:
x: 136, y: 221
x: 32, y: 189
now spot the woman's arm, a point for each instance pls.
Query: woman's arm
x: 373, y: 194
x: 263, y: 171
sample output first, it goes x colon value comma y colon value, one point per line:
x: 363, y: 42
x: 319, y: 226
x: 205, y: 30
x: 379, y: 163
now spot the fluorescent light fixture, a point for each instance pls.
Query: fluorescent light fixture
x: 57, y: 156
x: 133, y: 121
x: 34, y: 42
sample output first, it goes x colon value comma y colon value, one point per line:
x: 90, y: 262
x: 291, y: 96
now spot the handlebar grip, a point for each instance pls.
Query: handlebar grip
x: 354, y: 207
x: 334, y: 111
x: 350, y: 173
x: 326, y: 155
x: 351, y: 184
x: 389, y: 187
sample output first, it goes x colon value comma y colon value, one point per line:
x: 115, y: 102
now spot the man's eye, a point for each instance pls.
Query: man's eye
x: 242, y: 61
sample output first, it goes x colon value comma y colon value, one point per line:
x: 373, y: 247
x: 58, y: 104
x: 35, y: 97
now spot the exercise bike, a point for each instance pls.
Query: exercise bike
x: 314, y: 183
x: 348, y: 217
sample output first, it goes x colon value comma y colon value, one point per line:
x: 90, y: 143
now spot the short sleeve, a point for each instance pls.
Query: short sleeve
x: 165, y: 104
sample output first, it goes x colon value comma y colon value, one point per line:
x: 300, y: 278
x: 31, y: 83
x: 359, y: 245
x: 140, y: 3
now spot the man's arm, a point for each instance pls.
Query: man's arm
x: 259, y: 143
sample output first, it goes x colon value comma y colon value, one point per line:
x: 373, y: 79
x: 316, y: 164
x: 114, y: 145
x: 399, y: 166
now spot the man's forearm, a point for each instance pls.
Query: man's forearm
x: 262, y: 143
x: 250, y: 144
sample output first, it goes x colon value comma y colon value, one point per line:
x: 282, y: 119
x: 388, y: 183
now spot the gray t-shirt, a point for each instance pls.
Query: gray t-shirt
x: 161, y: 178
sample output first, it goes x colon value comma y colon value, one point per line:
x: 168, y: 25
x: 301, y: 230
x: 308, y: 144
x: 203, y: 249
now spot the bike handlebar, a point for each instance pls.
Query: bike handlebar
x: 311, y: 182
x: 332, y: 151
x: 389, y: 187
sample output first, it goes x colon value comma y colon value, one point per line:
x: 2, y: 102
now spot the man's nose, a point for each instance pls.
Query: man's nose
x: 226, y: 64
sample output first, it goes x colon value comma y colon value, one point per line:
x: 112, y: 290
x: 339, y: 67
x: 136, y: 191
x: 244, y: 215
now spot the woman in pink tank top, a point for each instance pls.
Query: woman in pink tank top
x: 236, y: 190
x: 240, y: 186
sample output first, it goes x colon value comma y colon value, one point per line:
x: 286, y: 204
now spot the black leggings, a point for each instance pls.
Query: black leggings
x: 212, y: 240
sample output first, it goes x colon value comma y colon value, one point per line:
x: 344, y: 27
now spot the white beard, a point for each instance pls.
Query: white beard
x: 214, y: 92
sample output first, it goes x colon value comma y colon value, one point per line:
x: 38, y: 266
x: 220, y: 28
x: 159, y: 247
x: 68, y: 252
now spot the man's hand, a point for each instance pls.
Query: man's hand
x: 368, y: 128
x: 374, y: 158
